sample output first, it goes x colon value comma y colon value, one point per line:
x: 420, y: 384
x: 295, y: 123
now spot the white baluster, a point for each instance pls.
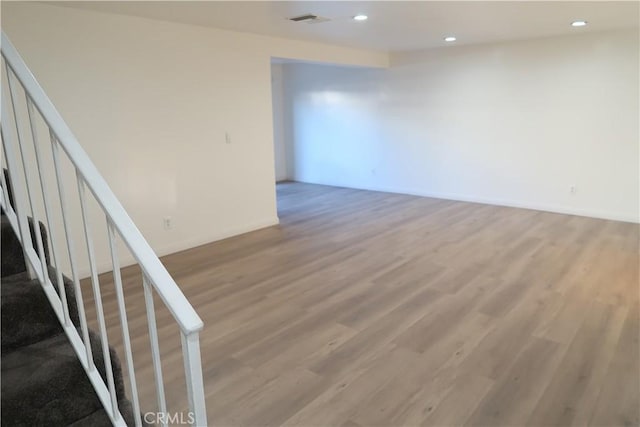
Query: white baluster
x: 34, y: 211
x: 6, y: 204
x: 97, y: 297
x: 47, y: 208
x: 117, y: 280
x: 155, y: 347
x: 193, y: 376
x: 17, y: 190
x: 71, y: 252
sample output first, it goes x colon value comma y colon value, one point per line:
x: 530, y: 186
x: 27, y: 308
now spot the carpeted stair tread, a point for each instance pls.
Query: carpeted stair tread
x: 12, y: 259
x: 25, y: 313
x: 100, y: 418
x: 44, y: 384
x: 9, y: 189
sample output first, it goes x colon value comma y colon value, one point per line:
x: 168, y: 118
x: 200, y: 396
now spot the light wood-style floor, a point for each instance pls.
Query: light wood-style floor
x: 376, y: 309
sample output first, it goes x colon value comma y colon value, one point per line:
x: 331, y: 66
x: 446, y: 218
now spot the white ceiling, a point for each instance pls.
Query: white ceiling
x: 392, y: 25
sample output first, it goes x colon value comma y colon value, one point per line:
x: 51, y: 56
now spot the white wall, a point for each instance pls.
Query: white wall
x: 151, y: 102
x: 512, y: 123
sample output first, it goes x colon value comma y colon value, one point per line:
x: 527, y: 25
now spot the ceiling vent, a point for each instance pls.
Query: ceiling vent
x: 309, y: 18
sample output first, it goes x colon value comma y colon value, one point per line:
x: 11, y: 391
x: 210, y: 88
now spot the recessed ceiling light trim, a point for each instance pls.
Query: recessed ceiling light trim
x: 579, y: 23
x: 450, y: 39
x: 360, y: 17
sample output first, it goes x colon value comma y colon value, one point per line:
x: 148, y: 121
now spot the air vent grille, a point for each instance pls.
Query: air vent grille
x: 309, y: 18
x: 305, y: 17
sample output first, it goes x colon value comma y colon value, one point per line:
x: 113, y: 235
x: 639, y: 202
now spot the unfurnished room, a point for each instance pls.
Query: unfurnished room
x: 320, y: 213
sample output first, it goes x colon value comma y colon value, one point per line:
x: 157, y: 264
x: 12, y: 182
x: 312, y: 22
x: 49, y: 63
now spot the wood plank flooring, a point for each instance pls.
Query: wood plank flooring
x: 375, y: 309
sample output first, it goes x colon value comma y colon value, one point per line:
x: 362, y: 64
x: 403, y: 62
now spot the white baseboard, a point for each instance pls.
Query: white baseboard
x: 214, y: 237
x: 182, y: 245
x: 174, y: 247
x: 601, y: 214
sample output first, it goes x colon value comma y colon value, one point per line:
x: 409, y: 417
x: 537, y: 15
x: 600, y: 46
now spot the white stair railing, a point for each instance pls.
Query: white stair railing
x: 29, y: 193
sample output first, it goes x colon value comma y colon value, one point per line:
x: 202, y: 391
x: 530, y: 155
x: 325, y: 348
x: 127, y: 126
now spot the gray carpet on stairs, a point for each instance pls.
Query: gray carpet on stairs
x: 12, y: 257
x: 25, y: 312
x: 43, y: 382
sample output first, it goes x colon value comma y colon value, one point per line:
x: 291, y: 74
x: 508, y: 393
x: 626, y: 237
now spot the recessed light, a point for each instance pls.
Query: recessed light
x: 450, y: 39
x: 579, y: 23
x: 360, y: 18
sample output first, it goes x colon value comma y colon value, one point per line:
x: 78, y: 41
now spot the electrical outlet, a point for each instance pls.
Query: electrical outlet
x: 573, y: 189
x: 167, y: 221
x: 227, y: 138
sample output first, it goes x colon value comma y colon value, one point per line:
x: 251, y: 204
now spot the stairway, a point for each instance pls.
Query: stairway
x: 43, y: 382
